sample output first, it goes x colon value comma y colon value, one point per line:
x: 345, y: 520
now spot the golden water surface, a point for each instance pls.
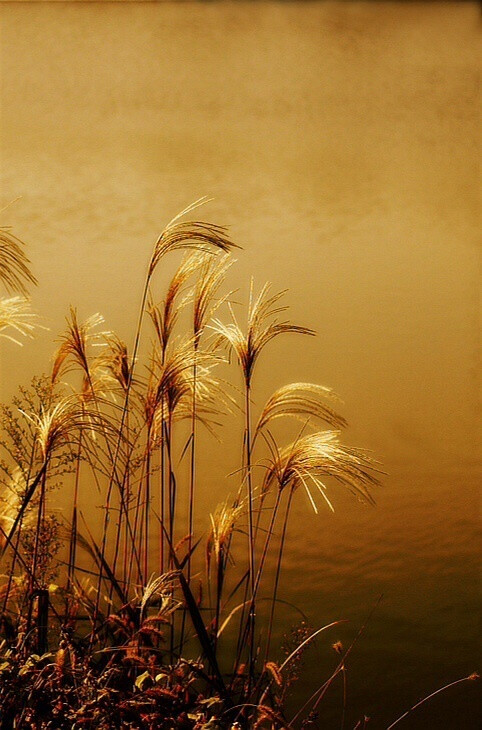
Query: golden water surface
x: 339, y: 142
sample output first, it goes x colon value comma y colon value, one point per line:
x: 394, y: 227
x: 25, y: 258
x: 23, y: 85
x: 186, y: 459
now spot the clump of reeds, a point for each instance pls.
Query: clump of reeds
x: 107, y: 622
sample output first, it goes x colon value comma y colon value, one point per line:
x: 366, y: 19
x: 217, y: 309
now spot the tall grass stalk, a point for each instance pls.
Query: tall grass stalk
x: 277, y: 575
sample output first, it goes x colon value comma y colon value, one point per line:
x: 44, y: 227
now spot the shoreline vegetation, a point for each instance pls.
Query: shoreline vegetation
x: 123, y: 621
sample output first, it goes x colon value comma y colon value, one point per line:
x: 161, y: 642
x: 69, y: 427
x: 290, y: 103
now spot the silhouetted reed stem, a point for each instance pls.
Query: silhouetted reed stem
x: 277, y: 576
x: 33, y: 575
x: 147, y: 506
x: 172, y: 516
x: 251, y: 582
x: 137, y: 531
x: 73, y: 529
x: 244, y: 627
x: 470, y: 678
x: 192, y: 472
x: 127, y: 502
x: 18, y: 537
x: 171, y: 486
x: 162, y: 494
x: 30, y: 491
x: 220, y: 572
x: 124, y: 516
x: 192, y: 476
x: 39, y: 526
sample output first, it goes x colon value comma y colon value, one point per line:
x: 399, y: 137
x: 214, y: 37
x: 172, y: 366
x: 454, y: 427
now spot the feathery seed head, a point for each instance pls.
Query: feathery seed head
x: 184, y: 235
x: 160, y: 587
x: 262, y: 327
x: 113, y: 364
x: 15, y: 313
x: 302, y: 401
x: 75, y: 343
x: 211, y: 276
x: 171, y: 385
x: 223, y: 523
x: 164, y: 315
x: 55, y: 426
x: 14, y: 265
x: 320, y: 455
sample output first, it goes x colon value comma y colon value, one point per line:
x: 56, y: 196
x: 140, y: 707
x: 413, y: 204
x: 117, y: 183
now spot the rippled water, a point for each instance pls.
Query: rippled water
x: 339, y: 143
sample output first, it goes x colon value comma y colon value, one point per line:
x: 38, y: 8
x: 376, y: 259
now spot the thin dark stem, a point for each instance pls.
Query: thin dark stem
x: 252, y: 578
x: 25, y: 502
x: 243, y: 633
x: 73, y: 531
x: 124, y: 505
x: 137, y: 520
x: 171, y: 485
x: 17, y: 542
x: 318, y: 695
x: 172, y: 515
x: 425, y: 699
x: 147, y: 507
x: 162, y: 496
x: 221, y: 565
x: 39, y: 531
x: 277, y: 576
x: 192, y: 477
